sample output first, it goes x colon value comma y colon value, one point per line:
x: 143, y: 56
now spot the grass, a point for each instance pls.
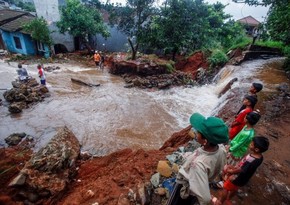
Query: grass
x: 271, y: 44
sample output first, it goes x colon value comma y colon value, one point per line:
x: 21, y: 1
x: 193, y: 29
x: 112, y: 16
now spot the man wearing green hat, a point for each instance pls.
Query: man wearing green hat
x: 204, y: 164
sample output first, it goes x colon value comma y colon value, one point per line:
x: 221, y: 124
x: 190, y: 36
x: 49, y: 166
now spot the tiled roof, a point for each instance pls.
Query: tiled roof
x: 8, y: 14
x: 16, y: 25
x: 249, y: 20
x: 12, y: 20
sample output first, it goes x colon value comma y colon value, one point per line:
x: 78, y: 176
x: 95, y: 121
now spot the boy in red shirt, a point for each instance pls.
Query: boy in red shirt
x: 249, y: 102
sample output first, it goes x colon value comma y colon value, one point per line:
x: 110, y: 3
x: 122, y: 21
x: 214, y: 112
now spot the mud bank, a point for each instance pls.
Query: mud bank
x: 108, y: 180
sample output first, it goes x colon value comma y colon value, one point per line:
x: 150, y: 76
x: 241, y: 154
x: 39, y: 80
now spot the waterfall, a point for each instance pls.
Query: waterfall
x: 182, y: 102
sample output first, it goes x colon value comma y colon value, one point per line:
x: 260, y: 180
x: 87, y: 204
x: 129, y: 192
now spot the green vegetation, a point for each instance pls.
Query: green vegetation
x: 132, y: 19
x: 217, y: 58
x: 27, y: 6
x: 169, y: 67
x: 187, y: 26
x: 277, y: 22
x: 242, y: 42
x: 272, y: 44
x: 38, y: 30
x: 81, y: 21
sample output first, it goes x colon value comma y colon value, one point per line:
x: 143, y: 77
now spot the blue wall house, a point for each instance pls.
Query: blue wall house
x: 16, y: 40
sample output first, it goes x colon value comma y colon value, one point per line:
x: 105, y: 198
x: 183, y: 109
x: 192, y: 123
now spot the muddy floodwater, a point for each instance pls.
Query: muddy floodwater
x: 111, y: 117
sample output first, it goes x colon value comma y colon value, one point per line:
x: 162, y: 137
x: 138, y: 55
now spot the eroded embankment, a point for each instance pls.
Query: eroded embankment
x: 108, y: 180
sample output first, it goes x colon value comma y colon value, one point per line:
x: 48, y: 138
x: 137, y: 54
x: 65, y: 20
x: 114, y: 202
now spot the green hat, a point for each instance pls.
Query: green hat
x: 212, y: 128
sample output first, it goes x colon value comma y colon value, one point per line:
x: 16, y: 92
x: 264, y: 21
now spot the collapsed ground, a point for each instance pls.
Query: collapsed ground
x: 110, y: 178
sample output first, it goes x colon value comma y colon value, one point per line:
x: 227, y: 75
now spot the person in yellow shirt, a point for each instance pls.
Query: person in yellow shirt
x: 97, y: 58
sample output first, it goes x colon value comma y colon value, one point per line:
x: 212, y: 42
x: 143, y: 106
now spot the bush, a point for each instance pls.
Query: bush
x: 286, y: 52
x: 169, y: 67
x: 241, y: 42
x: 217, y: 58
x: 272, y: 44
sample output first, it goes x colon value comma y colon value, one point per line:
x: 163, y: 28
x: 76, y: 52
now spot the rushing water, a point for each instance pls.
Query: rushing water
x: 111, y: 117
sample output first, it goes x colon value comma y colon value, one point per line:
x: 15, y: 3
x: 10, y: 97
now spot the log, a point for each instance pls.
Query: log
x: 84, y: 83
x: 227, y: 87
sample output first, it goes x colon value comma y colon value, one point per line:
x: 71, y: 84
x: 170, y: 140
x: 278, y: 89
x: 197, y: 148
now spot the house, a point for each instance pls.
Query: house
x: 49, y: 10
x: 14, y: 39
x: 3, y: 4
x: 250, y: 24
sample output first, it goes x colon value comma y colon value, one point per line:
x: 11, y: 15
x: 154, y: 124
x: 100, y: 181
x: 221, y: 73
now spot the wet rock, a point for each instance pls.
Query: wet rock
x: 19, y: 180
x: 288, y: 74
x: 14, y: 138
x: 283, y: 87
x: 51, y: 68
x: 283, y: 189
x: 130, y: 85
x: 24, y: 92
x: 50, y: 169
x: 227, y: 87
x: 16, y: 107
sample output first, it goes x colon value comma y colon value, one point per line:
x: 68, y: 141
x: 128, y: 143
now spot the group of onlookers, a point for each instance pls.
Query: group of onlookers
x: 227, y: 158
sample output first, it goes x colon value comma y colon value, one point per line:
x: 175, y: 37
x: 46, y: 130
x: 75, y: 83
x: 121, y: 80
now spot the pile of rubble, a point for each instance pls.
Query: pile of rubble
x: 24, y: 93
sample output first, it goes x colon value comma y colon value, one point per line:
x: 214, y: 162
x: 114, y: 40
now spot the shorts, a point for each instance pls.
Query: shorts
x: 229, y: 186
x: 42, y: 82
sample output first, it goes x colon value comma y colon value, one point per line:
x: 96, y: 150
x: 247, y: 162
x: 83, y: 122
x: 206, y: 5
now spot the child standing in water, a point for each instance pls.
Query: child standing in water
x: 41, y: 75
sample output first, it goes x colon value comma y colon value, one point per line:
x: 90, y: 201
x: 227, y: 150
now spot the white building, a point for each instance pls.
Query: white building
x: 49, y: 10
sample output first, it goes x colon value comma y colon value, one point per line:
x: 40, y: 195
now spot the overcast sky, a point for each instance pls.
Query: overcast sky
x: 238, y: 11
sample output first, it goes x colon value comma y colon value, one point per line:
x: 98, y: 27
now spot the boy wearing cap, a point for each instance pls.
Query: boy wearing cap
x: 202, y: 165
x: 242, y: 173
x: 249, y: 102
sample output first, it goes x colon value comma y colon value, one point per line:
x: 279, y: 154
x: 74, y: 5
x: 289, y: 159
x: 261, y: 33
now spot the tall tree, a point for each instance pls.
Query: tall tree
x: 132, y: 20
x: 186, y: 25
x: 38, y: 30
x: 278, y: 22
x: 81, y: 21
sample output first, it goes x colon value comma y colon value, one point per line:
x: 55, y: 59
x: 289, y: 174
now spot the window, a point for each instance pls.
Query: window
x: 40, y: 46
x: 17, y: 42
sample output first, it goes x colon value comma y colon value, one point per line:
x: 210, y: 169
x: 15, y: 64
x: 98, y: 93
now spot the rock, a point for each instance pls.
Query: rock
x: 227, y: 87
x: 283, y: 189
x: 50, y: 169
x: 164, y: 169
x: 14, y: 138
x: 18, y: 181
x: 155, y: 179
x: 129, y: 85
x: 17, y: 107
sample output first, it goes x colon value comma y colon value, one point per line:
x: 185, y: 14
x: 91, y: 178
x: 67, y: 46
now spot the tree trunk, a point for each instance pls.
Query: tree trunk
x: 174, y: 54
x: 134, y: 50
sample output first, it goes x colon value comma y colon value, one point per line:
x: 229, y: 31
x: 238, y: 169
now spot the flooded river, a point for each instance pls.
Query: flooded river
x: 111, y: 117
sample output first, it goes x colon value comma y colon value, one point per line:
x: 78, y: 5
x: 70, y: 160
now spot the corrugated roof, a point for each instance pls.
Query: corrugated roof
x: 249, y: 20
x: 17, y: 24
x: 8, y: 14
